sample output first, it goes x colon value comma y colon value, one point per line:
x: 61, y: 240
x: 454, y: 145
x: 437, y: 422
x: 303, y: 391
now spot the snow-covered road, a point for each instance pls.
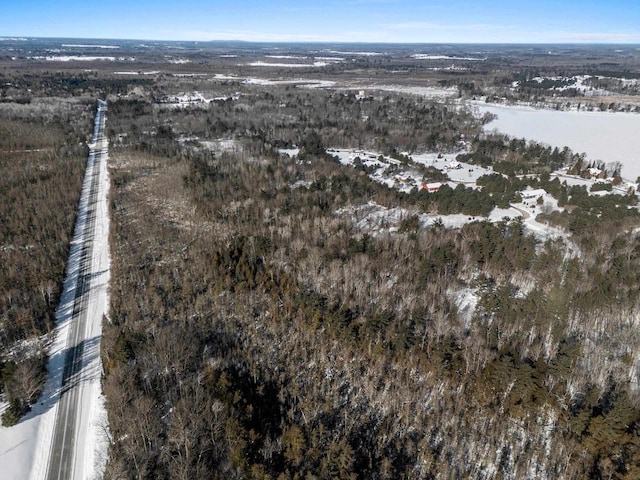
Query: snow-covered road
x: 64, y: 435
x: 82, y: 355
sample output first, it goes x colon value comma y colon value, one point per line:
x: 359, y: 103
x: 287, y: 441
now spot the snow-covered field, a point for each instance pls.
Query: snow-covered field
x: 309, y: 83
x: 154, y: 72
x: 426, y: 56
x: 362, y: 54
x: 458, y: 172
x: 221, y: 145
x: 316, y: 64
x: 81, y: 58
x: 610, y: 137
x: 428, y: 92
x: 104, y: 47
x: 287, y: 57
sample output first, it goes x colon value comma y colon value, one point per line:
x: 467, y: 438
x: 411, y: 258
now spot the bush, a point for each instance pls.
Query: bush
x: 14, y: 412
x: 598, y: 187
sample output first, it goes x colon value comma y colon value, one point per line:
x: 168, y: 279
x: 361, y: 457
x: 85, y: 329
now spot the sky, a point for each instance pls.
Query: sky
x: 385, y: 21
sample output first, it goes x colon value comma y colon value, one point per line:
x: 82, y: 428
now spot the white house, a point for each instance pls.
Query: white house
x: 531, y: 194
x: 594, y: 172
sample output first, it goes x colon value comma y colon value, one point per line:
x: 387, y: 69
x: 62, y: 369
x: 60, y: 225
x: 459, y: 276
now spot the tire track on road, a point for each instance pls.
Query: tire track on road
x: 62, y: 456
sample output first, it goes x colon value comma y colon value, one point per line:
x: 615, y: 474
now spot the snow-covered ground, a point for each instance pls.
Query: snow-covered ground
x: 222, y: 145
x: 407, y: 177
x: 310, y: 83
x: 529, y: 209
x: 25, y: 447
x: 178, y: 61
x: 437, y: 93
x: 458, y: 172
x: 428, y: 92
x: 426, y: 56
x: 319, y: 63
x: 361, y: 54
x: 81, y: 58
x: 183, y: 100
x: 292, y: 152
x: 577, y: 82
x: 154, y: 72
x: 379, y: 220
x: 466, y: 300
x: 574, y: 180
x: 104, y: 47
x: 287, y: 57
x: 610, y: 137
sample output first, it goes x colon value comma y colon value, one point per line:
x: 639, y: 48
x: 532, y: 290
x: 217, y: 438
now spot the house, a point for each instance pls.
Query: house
x: 432, y: 187
x: 595, y: 172
x: 532, y: 194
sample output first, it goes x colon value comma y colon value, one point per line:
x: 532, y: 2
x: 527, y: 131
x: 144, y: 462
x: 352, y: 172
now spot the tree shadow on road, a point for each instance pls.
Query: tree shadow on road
x: 67, y: 369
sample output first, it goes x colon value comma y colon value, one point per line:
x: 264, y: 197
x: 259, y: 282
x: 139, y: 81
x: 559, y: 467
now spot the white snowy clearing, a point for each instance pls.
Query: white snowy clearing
x: 25, y: 448
x: 316, y: 64
x: 81, y: 58
x: 309, y: 83
x: 331, y: 59
x: 285, y: 57
x: 610, y: 137
x: 183, y: 100
x: 426, y: 56
x: 103, y: 47
x: 222, y: 145
x: 427, y: 92
x: 362, y: 54
x: 154, y: 72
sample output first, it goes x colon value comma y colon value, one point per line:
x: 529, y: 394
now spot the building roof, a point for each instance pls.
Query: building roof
x: 432, y: 186
x: 538, y: 192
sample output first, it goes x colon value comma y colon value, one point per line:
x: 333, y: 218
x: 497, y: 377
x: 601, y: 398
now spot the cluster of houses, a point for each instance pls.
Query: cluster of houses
x: 191, y: 99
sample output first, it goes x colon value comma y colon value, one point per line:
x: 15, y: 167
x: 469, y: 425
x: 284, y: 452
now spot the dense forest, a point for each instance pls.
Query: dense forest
x: 42, y: 164
x: 257, y: 333
x: 259, y: 328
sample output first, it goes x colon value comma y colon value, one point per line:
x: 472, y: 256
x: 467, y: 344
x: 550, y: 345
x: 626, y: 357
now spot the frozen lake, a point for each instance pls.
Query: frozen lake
x: 601, y: 135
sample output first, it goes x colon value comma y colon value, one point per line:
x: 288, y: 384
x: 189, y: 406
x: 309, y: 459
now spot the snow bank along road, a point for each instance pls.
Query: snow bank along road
x: 65, y: 447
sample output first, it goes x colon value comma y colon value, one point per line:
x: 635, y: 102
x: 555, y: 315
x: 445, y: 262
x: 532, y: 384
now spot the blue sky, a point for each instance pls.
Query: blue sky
x: 397, y: 21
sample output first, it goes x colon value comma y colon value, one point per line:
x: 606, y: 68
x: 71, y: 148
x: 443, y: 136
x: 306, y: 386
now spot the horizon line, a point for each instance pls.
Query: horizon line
x: 319, y: 42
